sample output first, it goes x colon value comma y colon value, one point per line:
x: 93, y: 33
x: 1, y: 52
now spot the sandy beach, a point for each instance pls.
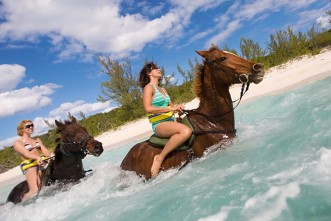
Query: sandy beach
x: 293, y: 74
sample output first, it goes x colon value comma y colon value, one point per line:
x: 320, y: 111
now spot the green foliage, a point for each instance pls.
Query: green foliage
x: 182, y: 93
x: 189, y: 74
x: 8, y: 159
x: 225, y: 47
x: 122, y: 86
x: 168, y: 80
x: 285, y: 45
x: 250, y: 50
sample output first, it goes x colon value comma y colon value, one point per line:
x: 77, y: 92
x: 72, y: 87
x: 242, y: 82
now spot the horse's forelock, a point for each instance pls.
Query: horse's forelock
x: 66, y: 122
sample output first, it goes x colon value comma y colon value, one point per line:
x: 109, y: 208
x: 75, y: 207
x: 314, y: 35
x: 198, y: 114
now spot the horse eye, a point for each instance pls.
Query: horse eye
x: 222, y: 59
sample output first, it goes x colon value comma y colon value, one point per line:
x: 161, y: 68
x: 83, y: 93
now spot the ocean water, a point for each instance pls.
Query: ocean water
x: 278, y: 168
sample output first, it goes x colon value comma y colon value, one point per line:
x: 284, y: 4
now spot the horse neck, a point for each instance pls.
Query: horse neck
x: 67, y: 166
x: 216, y: 101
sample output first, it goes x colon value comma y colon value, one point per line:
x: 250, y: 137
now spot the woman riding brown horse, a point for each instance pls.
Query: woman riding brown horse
x: 213, y: 120
x: 74, y: 144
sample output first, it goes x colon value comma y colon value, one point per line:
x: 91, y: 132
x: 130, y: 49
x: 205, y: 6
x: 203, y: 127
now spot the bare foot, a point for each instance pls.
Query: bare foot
x: 156, y: 165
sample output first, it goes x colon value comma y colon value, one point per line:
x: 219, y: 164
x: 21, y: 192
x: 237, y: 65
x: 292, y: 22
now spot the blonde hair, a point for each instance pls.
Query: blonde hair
x: 21, y: 126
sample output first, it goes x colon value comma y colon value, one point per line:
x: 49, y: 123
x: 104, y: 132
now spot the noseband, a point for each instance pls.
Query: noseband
x: 83, y: 150
x: 246, y: 76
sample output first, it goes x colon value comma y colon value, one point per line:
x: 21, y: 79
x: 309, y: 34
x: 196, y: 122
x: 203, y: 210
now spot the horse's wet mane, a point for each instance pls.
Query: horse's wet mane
x: 198, y: 78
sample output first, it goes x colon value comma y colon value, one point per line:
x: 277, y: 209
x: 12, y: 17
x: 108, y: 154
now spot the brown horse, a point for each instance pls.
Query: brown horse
x: 75, y: 143
x: 213, y: 120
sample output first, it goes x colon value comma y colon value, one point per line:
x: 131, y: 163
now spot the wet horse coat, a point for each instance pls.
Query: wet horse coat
x: 214, y: 118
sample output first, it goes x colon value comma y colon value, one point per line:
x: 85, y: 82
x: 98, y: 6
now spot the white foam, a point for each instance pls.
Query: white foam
x: 324, y: 163
x: 222, y: 215
x: 269, y: 205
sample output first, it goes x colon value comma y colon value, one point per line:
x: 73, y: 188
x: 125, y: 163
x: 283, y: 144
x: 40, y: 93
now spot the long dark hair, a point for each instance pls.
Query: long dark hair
x: 144, y: 74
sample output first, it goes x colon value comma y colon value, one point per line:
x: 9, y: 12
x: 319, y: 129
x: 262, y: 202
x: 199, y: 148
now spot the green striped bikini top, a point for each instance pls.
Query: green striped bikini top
x: 159, y: 100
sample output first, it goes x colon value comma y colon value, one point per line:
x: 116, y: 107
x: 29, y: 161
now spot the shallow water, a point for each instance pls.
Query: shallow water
x: 279, y: 168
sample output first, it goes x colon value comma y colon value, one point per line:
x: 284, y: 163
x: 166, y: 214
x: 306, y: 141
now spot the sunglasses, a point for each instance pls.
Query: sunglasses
x: 29, y: 126
x: 153, y: 68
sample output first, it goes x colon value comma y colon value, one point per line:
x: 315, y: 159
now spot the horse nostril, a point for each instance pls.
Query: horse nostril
x: 258, y: 67
x: 98, y: 146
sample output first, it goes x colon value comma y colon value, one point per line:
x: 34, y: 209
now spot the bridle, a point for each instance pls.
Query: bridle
x: 246, y: 76
x: 81, y: 145
x: 244, y: 89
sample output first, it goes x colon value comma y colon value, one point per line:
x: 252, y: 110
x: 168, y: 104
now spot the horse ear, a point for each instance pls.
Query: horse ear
x: 204, y: 54
x: 73, y: 120
x: 59, y: 124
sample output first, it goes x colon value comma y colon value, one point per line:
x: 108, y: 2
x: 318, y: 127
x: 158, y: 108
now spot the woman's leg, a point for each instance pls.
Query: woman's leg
x: 33, y: 180
x: 178, y: 134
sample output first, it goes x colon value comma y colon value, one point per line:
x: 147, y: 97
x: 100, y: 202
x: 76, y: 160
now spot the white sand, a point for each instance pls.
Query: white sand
x: 292, y: 74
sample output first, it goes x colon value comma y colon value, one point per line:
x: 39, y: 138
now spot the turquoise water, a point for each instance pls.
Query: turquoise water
x: 279, y: 168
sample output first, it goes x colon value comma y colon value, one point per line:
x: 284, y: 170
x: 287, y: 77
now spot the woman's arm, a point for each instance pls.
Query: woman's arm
x: 175, y: 108
x: 44, y: 150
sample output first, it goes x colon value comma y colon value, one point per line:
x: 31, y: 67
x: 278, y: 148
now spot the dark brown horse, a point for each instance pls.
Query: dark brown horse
x: 213, y: 120
x: 75, y: 143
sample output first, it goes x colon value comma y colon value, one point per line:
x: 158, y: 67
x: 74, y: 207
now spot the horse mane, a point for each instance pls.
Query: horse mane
x: 199, y: 74
x: 198, y: 80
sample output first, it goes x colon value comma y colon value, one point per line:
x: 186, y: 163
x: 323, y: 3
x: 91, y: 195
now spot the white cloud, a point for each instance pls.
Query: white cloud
x: 323, y: 21
x: 26, y: 99
x: 231, y: 27
x: 8, y: 142
x: 90, y: 26
x: 74, y: 25
x: 77, y: 107
x: 10, y: 75
x: 240, y: 13
x: 40, y: 126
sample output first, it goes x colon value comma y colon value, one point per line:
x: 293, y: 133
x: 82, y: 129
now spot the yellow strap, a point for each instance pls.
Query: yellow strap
x: 26, y: 164
x: 157, y: 117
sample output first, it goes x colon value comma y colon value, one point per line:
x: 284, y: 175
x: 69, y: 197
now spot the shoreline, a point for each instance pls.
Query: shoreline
x: 285, y: 77
x: 293, y: 86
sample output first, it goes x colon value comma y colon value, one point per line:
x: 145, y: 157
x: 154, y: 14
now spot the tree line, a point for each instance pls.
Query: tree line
x: 122, y: 85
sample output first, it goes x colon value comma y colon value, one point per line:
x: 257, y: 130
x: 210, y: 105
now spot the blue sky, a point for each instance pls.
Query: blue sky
x: 49, y: 48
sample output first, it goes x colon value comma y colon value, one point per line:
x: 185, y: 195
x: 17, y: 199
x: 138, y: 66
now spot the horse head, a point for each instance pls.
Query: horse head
x: 76, y: 139
x: 232, y: 68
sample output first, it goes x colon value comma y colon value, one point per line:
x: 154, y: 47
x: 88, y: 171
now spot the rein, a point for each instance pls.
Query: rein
x: 242, y: 93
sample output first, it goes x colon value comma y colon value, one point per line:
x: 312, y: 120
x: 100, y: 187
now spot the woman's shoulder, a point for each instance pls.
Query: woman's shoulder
x: 149, y: 87
x: 19, y: 142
